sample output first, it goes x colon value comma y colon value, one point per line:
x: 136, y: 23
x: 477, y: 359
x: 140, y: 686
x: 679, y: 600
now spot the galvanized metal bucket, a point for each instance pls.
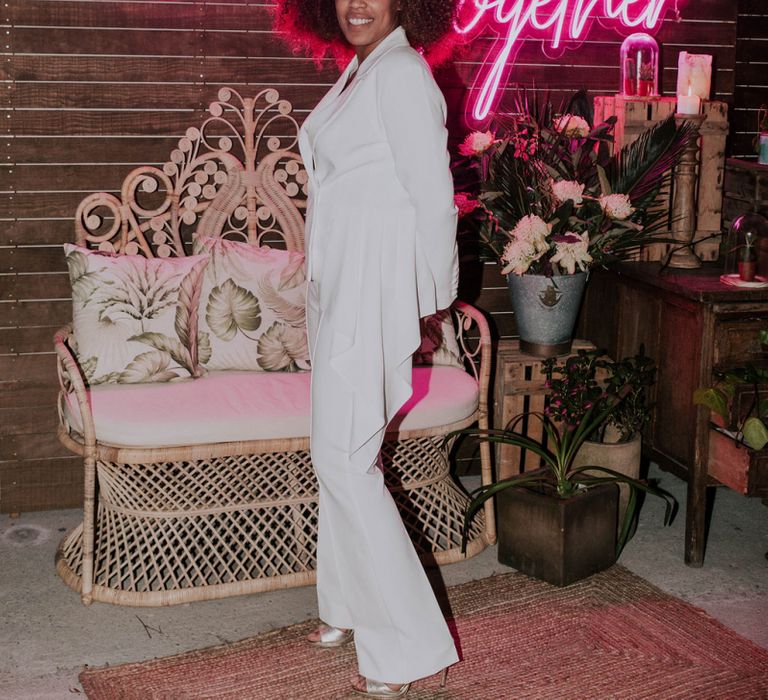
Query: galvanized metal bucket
x: 545, y: 311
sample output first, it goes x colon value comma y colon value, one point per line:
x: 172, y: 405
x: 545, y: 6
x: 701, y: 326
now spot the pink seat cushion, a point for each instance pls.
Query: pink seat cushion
x: 231, y: 406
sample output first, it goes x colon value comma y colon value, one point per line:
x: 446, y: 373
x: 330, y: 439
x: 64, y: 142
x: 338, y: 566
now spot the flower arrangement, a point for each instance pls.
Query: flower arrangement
x: 547, y: 197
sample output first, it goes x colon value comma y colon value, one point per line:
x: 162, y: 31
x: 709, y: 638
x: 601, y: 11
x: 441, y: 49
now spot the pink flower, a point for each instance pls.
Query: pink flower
x: 464, y: 203
x: 477, y: 143
x: 525, y: 147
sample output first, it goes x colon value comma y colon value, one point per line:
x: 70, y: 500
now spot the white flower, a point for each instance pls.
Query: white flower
x: 568, y: 189
x: 617, y: 206
x: 518, y: 256
x: 535, y: 231
x: 476, y: 143
x: 573, y: 250
x: 528, y: 242
x: 573, y: 126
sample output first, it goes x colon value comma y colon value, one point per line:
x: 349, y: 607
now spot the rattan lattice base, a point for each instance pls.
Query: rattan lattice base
x: 175, y: 532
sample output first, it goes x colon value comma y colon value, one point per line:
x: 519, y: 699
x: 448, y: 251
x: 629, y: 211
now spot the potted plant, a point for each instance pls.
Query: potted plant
x: 558, y: 523
x: 552, y: 202
x: 739, y: 403
x: 738, y: 435
x: 617, y: 444
x: 645, y: 80
x: 747, y: 258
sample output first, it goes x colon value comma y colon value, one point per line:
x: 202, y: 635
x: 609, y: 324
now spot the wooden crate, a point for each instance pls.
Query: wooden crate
x: 637, y: 114
x: 519, y: 388
x: 745, y: 189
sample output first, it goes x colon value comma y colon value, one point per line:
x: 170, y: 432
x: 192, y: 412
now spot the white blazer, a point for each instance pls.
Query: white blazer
x: 380, y: 234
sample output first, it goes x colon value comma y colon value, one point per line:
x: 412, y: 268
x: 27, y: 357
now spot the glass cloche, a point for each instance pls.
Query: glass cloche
x: 746, y: 252
x: 639, y: 66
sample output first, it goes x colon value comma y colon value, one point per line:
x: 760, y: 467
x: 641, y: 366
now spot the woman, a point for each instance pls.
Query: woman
x: 381, y: 253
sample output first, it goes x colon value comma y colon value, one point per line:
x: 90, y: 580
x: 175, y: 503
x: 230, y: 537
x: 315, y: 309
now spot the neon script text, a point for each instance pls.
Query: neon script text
x: 555, y: 20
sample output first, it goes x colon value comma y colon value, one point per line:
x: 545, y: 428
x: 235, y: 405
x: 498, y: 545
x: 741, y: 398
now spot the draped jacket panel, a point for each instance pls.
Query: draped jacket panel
x: 381, y: 224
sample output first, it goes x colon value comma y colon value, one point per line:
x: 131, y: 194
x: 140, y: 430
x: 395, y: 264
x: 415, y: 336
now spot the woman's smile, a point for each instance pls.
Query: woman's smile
x: 365, y: 23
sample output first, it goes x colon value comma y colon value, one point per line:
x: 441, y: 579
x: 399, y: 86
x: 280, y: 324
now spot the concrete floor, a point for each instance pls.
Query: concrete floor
x: 47, y: 636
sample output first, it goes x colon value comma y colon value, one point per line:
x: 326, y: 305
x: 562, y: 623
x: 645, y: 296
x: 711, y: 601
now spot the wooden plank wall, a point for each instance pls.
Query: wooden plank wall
x: 94, y: 87
x: 751, y: 87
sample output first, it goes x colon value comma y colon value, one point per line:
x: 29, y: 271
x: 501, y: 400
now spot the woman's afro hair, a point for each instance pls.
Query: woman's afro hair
x: 311, y: 26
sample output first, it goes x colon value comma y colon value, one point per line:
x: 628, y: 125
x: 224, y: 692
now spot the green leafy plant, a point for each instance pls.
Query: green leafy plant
x: 751, y: 429
x: 557, y: 451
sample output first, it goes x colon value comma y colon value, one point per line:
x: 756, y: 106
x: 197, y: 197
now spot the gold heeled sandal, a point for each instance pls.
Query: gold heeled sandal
x: 331, y: 637
x: 377, y: 689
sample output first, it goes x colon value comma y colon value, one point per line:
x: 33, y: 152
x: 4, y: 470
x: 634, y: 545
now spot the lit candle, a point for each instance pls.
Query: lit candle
x: 688, y: 104
x: 694, y: 74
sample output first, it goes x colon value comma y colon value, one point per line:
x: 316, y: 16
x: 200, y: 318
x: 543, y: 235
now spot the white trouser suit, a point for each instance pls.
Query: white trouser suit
x: 380, y: 239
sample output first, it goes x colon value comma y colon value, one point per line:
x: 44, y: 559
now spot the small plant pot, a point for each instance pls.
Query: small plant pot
x: 644, y: 88
x: 558, y: 540
x: 747, y: 270
x: 622, y: 457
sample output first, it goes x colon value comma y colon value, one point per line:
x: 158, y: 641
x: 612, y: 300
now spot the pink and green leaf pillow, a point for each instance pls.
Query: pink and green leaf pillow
x: 134, y: 318
x: 252, y: 308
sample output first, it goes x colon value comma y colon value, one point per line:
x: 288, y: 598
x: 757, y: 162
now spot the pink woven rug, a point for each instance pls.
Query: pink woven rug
x: 613, y: 635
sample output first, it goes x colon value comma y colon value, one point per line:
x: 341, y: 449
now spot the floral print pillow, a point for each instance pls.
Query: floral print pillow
x: 438, y: 342
x: 252, y: 308
x: 134, y: 318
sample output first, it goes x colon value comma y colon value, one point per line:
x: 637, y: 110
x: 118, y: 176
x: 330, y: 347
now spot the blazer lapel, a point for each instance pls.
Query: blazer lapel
x: 394, y: 39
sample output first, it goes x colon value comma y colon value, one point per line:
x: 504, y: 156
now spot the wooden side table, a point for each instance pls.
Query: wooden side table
x: 690, y: 323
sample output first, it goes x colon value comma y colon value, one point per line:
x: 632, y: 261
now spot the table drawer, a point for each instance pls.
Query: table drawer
x: 737, y: 467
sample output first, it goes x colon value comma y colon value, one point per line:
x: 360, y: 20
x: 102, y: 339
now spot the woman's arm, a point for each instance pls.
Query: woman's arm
x: 413, y: 111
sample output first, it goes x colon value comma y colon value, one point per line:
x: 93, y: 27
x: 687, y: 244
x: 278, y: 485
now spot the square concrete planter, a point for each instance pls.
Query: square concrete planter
x: 558, y: 540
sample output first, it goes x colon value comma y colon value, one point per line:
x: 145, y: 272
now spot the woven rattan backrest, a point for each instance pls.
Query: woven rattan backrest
x: 237, y: 176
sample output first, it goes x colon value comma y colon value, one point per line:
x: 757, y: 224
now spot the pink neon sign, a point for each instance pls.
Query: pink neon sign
x: 556, y: 21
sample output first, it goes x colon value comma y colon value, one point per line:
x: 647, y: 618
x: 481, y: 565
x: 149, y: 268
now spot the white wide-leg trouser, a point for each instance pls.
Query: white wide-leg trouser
x: 369, y: 577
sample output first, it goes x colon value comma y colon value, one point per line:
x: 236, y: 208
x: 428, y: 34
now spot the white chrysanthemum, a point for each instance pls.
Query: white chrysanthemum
x: 535, y: 231
x: 574, y: 127
x: 476, y: 143
x: 568, y: 189
x: 617, y: 206
x: 528, y: 242
x: 518, y: 255
x: 572, y: 252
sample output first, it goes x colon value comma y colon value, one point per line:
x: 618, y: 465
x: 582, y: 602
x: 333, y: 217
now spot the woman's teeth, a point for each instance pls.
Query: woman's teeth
x: 358, y: 22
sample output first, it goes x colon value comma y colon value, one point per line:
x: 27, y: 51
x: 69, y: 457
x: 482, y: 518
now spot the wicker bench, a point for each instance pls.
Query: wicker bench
x: 166, y: 524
